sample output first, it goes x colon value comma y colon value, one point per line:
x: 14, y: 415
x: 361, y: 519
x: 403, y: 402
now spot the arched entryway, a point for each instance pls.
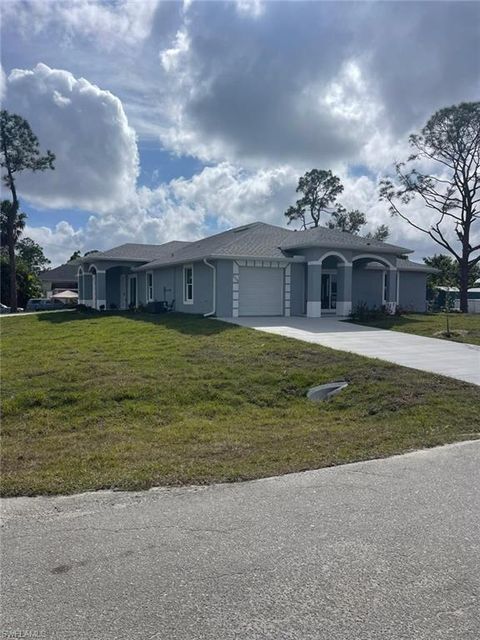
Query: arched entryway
x: 329, y: 285
x: 93, y: 274
x: 375, y: 281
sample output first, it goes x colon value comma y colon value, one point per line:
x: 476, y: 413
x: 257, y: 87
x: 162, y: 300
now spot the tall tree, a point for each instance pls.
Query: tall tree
x: 18, y: 227
x: 75, y: 255
x: 31, y: 254
x: 380, y: 233
x: 19, y: 151
x: 319, y: 189
x: 353, y: 221
x: 449, y: 144
x: 449, y: 271
x: 350, y: 221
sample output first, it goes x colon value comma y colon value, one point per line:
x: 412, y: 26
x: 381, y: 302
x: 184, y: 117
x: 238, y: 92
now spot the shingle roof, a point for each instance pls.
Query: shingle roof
x: 64, y: 273
x: 408, y: 265
x: 260, y: 240
x: 323, y: 237
x: 405, y: 265
x: 136, y: 252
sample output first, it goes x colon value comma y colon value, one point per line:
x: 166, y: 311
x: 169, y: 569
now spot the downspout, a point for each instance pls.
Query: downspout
x: 214, y: 275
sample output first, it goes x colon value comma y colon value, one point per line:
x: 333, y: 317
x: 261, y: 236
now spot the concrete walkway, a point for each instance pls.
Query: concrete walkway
x: 452, y: 359
x: 380, y: 550
x: 19, y: 314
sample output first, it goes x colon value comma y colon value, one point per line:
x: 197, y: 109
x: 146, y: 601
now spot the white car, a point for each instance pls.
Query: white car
x: 4, y: 308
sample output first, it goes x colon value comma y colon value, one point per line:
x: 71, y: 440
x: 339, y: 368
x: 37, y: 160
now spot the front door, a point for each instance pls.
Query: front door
x: 132, y: 291
x: 329, y: 291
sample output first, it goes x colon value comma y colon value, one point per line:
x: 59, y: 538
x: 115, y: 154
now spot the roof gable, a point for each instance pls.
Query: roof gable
x: 64, y: 273
x: 261, y: 240
x: 334, y: 238
x: 136, y: 252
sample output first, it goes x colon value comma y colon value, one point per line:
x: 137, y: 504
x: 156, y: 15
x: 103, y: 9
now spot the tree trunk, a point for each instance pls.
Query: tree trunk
x: 12, y: 259
x: 464, y: 273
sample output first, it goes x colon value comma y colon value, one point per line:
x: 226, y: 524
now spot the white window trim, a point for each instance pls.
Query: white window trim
x: 147, y: 292
x: 185, y: 300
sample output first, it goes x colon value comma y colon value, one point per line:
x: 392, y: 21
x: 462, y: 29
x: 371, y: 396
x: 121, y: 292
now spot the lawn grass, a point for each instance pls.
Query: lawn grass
x: 128, y: 401
x: 432, y: 325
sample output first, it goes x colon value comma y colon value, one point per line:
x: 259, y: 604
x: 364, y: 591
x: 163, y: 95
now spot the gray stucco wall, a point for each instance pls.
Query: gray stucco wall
x: 202, y: 289
x: 141, y: 287
x: 164, y: 284
x: 297, y: 289
x: 168, y: 285
x: 413, y: 291
x: 224, y: 288
x: 367, y: 286
x: 316, y: 253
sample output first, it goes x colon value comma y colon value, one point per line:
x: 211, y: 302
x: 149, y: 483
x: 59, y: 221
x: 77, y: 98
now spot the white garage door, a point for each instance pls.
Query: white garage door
x: 260, y: 291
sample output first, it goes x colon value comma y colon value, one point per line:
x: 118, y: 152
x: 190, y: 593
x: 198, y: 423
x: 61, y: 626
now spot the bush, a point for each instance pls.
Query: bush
x: 363, y: 313
x: 113, y: 306
x: 84, y: 309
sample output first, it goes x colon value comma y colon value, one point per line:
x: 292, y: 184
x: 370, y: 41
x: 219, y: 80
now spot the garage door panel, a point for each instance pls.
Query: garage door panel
x: 260, y: 291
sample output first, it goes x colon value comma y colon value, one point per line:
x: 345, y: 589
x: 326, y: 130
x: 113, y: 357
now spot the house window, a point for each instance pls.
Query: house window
x: 385, y: 287
x: 188, y: 284
x: 149, y: 286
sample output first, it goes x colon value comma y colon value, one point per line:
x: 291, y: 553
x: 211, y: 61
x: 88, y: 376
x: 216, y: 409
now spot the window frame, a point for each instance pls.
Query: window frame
x: 186, y: 299
x: 385, y: 284
x: 149, y: 287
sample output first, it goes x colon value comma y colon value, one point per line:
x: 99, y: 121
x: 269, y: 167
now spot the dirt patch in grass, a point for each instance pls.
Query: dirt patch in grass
x: 143, y: 400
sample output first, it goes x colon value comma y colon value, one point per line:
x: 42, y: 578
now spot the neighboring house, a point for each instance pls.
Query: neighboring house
x: 62, y: 278
x: 441, y: 294
x: 256, y: 270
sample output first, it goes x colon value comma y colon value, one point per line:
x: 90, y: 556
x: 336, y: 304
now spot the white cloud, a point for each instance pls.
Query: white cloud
x: 96, y: 162
x: 251, y: 8
x: 58, y: 242
x: 261, y: 91
x: 3, y: 84
x: 179, y: 210
x: 235, y: 196
x: 184, y: 209
x: 171, y: 58
x: 107, y: 24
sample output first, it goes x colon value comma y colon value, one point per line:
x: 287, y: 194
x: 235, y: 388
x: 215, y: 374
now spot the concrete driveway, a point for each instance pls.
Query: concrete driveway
x: 452, y: 359
x: 382, y: 550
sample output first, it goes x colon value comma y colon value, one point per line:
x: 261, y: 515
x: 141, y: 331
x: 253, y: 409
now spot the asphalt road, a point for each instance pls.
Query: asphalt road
x: 377, y: 550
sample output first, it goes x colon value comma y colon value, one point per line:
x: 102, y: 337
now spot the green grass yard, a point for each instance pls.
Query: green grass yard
x: 128, y: 401
x: 432, y: 324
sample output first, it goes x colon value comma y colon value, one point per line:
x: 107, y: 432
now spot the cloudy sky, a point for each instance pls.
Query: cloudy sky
x: 172, y: 121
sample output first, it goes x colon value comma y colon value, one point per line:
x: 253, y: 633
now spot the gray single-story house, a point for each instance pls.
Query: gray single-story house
x: 62, y: 278
x: 256, y: 270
